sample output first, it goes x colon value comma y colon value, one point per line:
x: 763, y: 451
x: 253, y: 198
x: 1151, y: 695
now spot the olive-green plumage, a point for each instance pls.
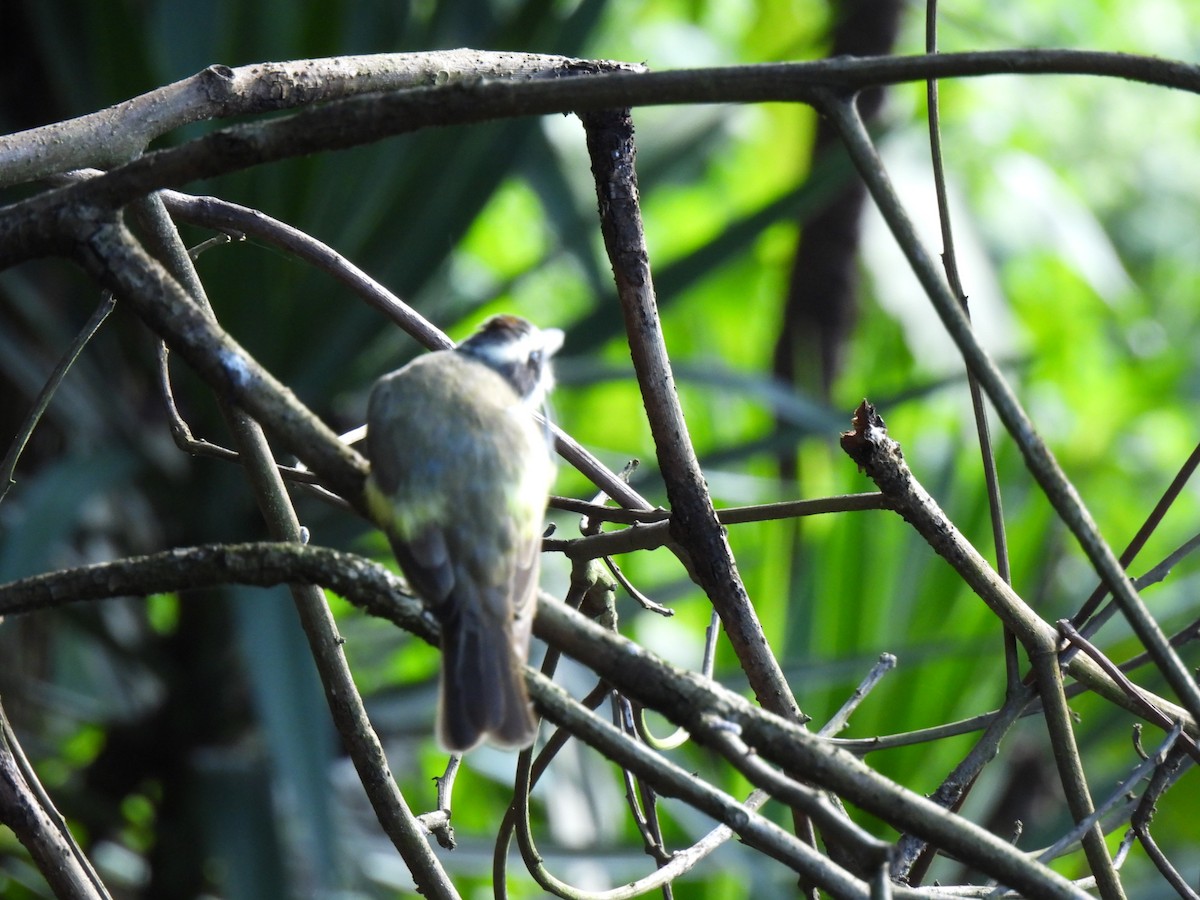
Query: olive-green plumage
x: 460, y: 474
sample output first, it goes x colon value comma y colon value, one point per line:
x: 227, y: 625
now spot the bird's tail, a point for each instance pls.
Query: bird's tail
x: 483, y: 693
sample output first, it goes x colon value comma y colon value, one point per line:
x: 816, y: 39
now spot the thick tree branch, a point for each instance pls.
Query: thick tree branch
x: 32, y: 227
x: 122, y: 132
x: 366, y: 584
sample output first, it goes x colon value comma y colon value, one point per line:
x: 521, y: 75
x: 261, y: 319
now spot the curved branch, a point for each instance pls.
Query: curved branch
x: 112, y: 255
x: 213, y: 212
x: 28, y: 811
x: 704, y: 708
x: 29, y: 228
x: 366, y: 584
x: 122, y: 132
x: 9, y: 465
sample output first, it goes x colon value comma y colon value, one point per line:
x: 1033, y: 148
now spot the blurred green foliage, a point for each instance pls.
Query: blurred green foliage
x: 160, y: 726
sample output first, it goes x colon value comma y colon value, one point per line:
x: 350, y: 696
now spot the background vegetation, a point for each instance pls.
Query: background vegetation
x: 187, y: 739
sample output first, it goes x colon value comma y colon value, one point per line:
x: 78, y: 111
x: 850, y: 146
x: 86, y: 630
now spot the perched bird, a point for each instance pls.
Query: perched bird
x: 460, y: 476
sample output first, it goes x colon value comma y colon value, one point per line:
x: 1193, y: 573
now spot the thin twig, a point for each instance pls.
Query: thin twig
x: 1163, y: 864
x: 1162, y: 779
x: 642, y: 600
x: 185, y: 440
x: 1120, y: 794
x: 653, y: 528
x: 914, y: 854
x: 954, y: 282
x: 1163, y: 569
x: 639, y: 796
x: 9, y: 466
x: 1136, y: 694
x: 1080, y: 619
x: 950, y: 265
x: 530, y: 769
x: 438, y: 821
x: 1152, y: 576
x: 838, y: 721
x: 1180, y: 638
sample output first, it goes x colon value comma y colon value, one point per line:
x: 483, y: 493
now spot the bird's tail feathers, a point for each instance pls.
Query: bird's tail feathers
x: 482, y: 692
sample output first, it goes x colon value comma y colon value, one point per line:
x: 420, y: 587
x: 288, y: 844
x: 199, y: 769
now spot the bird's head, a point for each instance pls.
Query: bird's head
x: 519, y: 351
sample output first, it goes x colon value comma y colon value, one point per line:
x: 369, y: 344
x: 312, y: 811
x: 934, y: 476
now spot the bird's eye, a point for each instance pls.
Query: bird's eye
x: 536, y: 357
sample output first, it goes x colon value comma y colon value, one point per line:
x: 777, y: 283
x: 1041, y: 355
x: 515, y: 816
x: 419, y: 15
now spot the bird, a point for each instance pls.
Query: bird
x: 460, y: 476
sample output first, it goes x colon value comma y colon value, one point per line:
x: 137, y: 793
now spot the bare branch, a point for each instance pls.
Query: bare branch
x: 122, y: 132
x: 694, y: 523
x: 1041, y: 462
x: 29, y: 228
x: 9, y: 465
x: 1047, y: 669
x: 26, y: 808
x: 1148, y: 709
x: 653, y: 529
x: 881, y: 458
x: 691, y: 700
x: 115, y: 258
